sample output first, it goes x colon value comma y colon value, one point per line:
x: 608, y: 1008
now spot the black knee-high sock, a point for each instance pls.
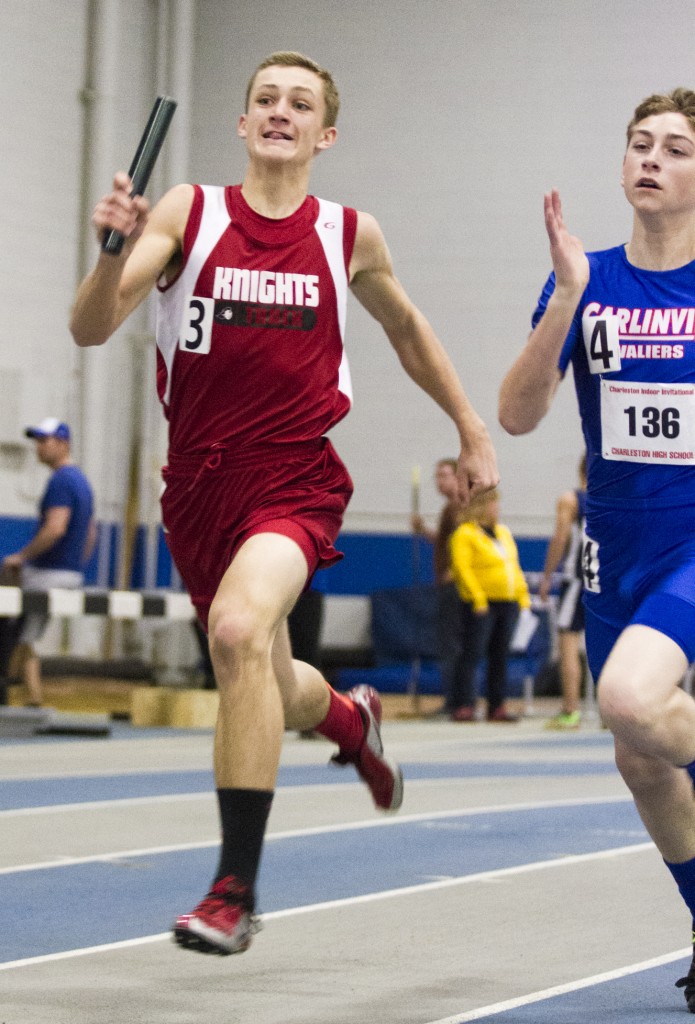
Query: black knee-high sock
x: 244, y: 816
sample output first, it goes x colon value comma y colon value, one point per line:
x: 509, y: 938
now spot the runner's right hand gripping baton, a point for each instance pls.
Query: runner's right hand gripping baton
x: 144, y: 161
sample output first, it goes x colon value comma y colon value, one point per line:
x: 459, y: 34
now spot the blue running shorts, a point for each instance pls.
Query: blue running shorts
x: 642, y: 572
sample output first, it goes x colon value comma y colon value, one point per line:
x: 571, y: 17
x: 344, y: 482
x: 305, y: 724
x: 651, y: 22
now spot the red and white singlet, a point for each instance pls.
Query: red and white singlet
x: 250, y: 333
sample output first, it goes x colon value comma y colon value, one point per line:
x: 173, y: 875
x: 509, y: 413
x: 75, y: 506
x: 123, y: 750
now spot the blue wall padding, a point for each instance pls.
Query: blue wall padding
x: 373, y: 561
x: 404, y: 623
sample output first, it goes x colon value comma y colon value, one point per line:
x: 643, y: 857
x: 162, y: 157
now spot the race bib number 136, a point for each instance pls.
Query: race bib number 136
x: 647, y: 422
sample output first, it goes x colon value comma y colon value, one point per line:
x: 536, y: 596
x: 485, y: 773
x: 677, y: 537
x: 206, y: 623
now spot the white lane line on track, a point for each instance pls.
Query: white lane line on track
x: 411, y: 890
x: 134, y: 801
x: 295, y: 788
x: 559, y: 990
x: 383, y: 822
x: 70, y: 954
x: 97, y: 805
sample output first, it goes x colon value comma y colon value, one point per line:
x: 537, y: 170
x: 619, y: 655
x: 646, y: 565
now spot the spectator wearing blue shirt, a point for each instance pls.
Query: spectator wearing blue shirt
x: 57, y: 553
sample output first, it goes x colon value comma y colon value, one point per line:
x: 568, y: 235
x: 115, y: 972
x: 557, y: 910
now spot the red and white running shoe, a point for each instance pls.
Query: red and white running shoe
x: 221, y: 923
x: 382, y: 775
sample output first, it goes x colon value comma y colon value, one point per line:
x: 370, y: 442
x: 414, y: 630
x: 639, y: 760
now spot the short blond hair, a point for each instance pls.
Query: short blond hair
x: 472, y: 512
x: 292, y: 59
x: 680, y: 101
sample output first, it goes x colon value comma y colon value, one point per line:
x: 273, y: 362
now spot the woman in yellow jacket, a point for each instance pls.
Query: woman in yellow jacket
x: 485, y: 566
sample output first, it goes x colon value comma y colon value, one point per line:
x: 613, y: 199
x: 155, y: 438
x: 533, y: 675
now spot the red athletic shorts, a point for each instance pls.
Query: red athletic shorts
x: 213, y: 502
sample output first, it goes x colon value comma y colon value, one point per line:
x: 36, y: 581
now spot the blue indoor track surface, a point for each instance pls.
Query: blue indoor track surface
x: 517, y: 885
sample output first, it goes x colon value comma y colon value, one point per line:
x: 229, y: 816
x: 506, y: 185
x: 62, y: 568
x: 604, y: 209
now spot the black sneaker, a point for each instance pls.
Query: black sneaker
x: 688, y: 983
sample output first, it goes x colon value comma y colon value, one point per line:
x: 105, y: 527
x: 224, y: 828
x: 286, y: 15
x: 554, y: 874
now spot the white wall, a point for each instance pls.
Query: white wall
x: 78, y: 81
x: 457, y: 115
x: 41, y: 58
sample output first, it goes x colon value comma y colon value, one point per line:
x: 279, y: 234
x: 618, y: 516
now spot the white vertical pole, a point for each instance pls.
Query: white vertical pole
x: 174, y: 73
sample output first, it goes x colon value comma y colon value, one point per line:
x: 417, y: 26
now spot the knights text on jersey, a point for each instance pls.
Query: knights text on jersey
x: 250, y: 334
x: 632, y: 349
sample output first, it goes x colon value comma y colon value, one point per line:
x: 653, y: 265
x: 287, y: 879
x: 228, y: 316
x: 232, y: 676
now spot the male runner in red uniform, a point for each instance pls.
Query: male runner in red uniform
x: 253, y: 282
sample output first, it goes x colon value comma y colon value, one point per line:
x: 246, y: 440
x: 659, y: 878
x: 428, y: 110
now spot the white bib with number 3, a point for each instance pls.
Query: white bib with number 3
x: 647, y: 422
x: 196, y: 325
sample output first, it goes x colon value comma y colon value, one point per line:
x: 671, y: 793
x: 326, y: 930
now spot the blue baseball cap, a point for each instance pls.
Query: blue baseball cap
x: 50, y: 427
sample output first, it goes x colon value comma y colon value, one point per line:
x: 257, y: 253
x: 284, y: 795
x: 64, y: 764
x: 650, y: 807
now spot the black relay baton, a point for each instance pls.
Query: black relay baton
x: 144, y: 161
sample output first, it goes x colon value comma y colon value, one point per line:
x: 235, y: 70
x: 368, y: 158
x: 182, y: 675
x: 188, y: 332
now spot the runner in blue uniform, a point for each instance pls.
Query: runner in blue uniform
x: 625, y: 319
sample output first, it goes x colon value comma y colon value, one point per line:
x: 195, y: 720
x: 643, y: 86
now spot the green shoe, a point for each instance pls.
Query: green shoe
x: 565, y: 720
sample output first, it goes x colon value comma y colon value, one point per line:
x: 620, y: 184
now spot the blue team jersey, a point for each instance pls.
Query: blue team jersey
x: 68, y: 487
x: 632, y: 350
